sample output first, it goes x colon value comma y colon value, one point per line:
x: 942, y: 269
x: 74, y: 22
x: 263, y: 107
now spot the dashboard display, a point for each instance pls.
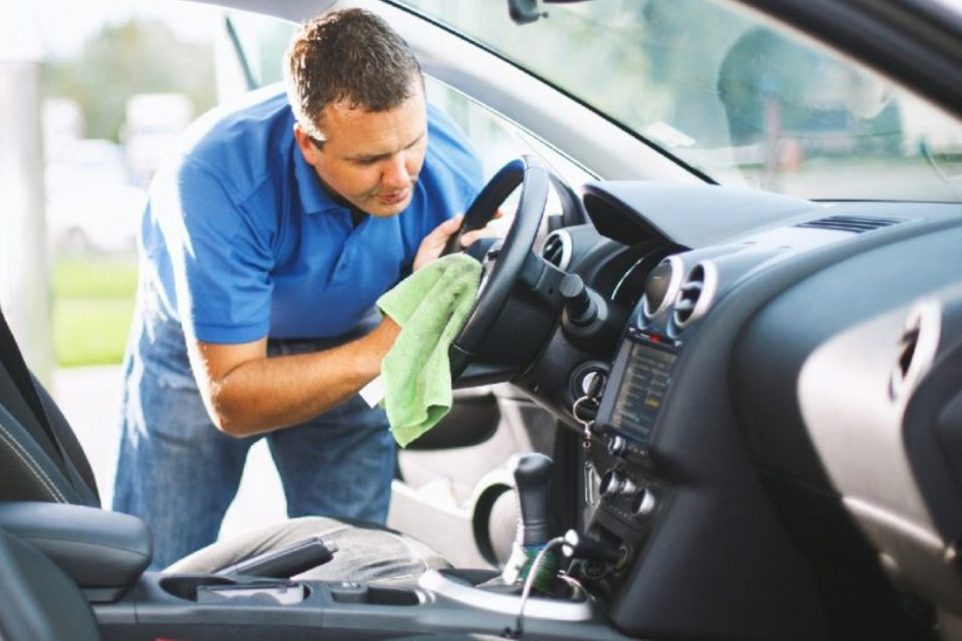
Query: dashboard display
x: 636, y: 400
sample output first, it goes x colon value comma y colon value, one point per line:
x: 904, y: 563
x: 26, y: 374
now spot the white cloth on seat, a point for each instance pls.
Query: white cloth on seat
x: 364, y: 553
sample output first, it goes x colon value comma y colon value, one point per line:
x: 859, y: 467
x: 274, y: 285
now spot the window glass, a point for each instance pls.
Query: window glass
x: 729, y: 93
x: 263, y: 41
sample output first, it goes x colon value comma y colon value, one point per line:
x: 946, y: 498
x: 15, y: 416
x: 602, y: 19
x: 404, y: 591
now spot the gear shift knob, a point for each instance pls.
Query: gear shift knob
x: 532, y: 477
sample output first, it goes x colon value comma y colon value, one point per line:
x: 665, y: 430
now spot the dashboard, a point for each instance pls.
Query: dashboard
x: 776, y: 445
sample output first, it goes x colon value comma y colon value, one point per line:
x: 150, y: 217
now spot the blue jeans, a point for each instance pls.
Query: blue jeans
x: 178, y: 473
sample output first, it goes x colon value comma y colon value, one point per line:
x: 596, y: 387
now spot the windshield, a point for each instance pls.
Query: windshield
x: 730, y: 94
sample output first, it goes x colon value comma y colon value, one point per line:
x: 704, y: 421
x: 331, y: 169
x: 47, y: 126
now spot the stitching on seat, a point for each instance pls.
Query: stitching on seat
x: 31, y: 464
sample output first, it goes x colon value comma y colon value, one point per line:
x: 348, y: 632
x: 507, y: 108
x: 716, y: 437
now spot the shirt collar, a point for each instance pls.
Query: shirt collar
x: 314, y: 198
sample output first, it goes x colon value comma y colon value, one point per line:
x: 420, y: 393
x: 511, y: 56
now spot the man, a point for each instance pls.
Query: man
x: 265, y: 246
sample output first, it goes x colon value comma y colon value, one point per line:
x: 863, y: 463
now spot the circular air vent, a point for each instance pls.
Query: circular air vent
x: 695, y: 295
x: 661, y: 287
x: 557, y: 249
x: 916, y: 347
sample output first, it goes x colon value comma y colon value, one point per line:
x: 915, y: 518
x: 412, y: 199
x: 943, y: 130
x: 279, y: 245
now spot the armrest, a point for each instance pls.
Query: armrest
x: 96, y: 548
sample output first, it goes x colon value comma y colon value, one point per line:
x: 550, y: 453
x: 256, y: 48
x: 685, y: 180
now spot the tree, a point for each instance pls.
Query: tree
x: 138, y: 56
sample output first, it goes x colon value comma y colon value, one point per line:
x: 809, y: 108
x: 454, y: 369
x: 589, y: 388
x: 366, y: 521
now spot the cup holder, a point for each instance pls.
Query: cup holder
x: 373, y: 595
x: 185, y: 586
x: 392, y: 596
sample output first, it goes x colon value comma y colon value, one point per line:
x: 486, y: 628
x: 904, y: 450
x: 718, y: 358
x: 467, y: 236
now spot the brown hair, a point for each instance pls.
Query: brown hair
x: 350, y: 55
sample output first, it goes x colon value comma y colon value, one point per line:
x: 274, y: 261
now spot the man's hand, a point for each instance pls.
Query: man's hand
x: 433, y: 244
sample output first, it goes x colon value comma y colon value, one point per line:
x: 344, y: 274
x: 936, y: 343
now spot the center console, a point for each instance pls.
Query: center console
x: 240, y: 608
x: 105, y: 554
x: 628, y: 492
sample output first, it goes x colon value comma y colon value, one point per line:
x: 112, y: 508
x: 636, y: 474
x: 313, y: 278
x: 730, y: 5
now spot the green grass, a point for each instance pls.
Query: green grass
x: 96, y: 277
x: 93, y: 305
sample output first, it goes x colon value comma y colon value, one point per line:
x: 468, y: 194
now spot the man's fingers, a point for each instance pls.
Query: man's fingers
x: 449, y: 226
x: 471, y: 236
x: 489, y: 231
x: 445, y: 230
x: 433, y: 244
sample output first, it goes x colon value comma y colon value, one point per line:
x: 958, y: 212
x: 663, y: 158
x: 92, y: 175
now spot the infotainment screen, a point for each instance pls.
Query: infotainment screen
x: 632, y: 404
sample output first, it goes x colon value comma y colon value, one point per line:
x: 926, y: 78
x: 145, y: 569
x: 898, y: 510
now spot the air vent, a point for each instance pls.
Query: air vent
x: 916, y: 347
x: 853, y: 224
x: 906, y: 352
x: 661, y: 287
x: 557, y: 249
x: 695, y: 294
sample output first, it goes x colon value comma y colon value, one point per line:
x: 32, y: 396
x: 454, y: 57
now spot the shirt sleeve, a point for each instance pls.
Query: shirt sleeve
x: 221, y: 259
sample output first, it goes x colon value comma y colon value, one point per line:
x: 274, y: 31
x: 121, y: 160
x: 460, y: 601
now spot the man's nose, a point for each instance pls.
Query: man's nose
x: 395, y: 173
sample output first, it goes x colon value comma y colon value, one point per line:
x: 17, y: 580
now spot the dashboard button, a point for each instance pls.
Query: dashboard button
x: 644, y: 503
x: 616, y: 483
x: 617, y: 445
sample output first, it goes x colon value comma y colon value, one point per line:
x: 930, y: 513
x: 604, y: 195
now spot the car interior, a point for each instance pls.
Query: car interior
x: 741, y: 409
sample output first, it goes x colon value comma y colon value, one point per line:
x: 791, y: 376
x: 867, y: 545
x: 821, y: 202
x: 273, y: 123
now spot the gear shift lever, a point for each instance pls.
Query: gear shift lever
x: 532, y: 476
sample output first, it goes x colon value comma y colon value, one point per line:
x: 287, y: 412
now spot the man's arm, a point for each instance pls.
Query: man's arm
x: 247, y: 393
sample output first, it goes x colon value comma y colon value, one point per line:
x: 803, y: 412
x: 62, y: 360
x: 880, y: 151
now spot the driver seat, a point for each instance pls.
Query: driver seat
x: 41, y: 603
x: 42, y: 460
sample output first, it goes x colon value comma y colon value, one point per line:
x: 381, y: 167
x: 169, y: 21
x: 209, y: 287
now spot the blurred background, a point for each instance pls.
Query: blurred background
x: 92, y: 97
x: 118, y: 83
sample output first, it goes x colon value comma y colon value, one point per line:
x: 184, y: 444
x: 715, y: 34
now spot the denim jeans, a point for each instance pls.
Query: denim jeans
x: 178, y: 473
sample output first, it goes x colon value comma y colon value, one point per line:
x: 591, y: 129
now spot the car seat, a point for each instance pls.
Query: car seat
x: 41, y: 603
x: 42, y: 460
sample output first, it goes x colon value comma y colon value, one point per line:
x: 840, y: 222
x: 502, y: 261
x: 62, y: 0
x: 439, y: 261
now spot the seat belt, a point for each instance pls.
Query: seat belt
x: 16, y: 367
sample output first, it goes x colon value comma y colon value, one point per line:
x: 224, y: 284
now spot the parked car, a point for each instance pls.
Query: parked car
x: 152, y: 123
x: 92, y: 203
x: 743, y: 353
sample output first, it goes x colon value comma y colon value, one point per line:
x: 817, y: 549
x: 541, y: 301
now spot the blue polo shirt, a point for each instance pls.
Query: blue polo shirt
x: 242, y: 241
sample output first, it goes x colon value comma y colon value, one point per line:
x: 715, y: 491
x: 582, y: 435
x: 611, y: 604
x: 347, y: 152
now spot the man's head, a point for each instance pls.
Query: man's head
x: 358, y: 98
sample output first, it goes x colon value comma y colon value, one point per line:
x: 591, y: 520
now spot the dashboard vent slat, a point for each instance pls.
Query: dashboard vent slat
x: 557, y: 249
x: 695, y: 295
x: 853, y: 224
x: 916, y: 347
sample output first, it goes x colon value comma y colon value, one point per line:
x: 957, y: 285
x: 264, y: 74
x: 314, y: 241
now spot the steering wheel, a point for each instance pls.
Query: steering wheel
x: 504, y: 262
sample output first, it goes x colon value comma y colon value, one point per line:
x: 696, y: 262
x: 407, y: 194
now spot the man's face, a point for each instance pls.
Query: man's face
x: 371, y: 159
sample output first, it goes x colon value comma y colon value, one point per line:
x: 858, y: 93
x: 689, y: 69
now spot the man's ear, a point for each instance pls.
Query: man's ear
x: 306, y: 145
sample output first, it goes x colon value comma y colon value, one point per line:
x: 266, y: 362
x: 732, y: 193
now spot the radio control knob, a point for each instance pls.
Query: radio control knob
x: 643, y: 503
x: 616, y: 483
x: 617, y: 445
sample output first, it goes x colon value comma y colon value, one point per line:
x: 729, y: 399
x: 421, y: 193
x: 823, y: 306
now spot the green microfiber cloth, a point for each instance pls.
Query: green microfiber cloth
x: 431, y: 306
